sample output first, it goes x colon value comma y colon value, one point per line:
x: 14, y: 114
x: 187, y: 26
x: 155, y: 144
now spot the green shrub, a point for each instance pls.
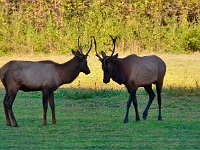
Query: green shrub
x: 53, y: 27
x: 192, y: 39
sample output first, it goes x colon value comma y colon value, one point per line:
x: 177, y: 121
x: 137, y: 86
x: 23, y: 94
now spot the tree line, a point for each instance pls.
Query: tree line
x: 152, y: 25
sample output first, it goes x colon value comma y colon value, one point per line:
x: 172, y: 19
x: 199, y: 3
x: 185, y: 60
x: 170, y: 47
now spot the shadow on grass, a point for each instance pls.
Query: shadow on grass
x: 181, y: 91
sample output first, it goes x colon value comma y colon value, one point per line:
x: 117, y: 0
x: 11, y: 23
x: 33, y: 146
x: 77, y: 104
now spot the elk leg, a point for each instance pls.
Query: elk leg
x: 127, y: 111
x: 132, y: 97
x: 8, y: 102
x: 6, y: 114
x: 158, y: 89
x: 149, y: 90
x: 6, y: 110
x: 52, y: 105
x: 135, y: 105
x: 10, y: 111
x: 45, y: 106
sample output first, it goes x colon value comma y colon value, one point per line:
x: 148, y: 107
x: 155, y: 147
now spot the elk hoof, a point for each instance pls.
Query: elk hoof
x: 125, y: 120
x: 137, y: 119
x: 144, y: 118
x: 54, y: 122
x: 159, y: 118
x: 44, y: 123
x: 15, y: 124
x: 8, y: 124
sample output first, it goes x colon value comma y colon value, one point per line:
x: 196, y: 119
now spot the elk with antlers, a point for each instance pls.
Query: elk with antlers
x: 134, y: 71
x: 45, y: 76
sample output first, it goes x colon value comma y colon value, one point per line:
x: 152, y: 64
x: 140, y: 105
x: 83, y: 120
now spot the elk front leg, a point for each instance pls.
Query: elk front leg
x: 136, y: 106
x: 52, y: 105
x: 45, y: 106
x: 127, y: 109
x: 132, y: 98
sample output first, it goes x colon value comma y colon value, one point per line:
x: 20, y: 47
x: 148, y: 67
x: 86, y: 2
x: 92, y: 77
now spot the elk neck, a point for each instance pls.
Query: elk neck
x: 69, y: 71
x: 119, y: 72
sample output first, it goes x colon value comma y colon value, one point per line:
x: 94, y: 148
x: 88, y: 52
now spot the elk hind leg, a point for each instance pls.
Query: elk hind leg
x: 151, y: 94
x: 8, y: 102
x: 5, y: 104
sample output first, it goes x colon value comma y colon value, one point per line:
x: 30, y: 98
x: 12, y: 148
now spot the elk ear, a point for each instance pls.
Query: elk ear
x: 114, y: 57
x: 74, y: 53
x: 103, y: 54
x: 78, y: 54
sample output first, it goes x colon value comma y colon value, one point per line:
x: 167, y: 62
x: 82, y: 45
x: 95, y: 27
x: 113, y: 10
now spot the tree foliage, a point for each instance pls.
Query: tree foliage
x: 37, y: 26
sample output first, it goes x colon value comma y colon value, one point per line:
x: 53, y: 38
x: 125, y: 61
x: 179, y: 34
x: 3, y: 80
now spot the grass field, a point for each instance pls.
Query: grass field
x: 90, y: 114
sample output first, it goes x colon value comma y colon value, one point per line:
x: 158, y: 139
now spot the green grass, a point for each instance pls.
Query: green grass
x: 90, y: 114
x: 95, y: 121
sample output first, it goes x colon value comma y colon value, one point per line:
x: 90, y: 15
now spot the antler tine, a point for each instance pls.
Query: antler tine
x: 89, y: 48
x: 79, y: 45
x: 95, y: 47
x: 114, y: 41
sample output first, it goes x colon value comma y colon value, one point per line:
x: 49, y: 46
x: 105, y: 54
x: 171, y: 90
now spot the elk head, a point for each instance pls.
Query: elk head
x: 82, y: 58
x: 107, y: 61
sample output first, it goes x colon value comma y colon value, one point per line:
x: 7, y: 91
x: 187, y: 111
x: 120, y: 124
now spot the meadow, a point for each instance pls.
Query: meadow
x: 90, y: 113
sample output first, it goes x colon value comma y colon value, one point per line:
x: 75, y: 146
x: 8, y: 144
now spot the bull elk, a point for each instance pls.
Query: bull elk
x: 45, y: 76
x: 134, y: 71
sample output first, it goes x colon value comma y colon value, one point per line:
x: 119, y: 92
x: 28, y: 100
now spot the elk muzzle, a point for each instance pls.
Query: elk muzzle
x: 106, y: 80
x: 87, y: 71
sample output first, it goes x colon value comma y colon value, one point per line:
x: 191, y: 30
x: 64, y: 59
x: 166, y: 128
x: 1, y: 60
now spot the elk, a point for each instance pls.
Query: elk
x: 45, y: 76
x: 134, y: 72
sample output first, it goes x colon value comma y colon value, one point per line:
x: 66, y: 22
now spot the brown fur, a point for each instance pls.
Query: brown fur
x: 45, y: 76
x: 141, y: 71
x: 134, y: 71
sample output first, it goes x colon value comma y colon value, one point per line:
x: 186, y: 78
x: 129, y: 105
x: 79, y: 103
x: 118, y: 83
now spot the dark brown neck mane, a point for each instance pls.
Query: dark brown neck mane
x: 69, y: 70
x: 119, y: 71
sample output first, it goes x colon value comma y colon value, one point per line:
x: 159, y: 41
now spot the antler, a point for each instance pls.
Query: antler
x: 114, y: 41
x: 89, y: 48
x: 95, y: 47
x: 79, y: 45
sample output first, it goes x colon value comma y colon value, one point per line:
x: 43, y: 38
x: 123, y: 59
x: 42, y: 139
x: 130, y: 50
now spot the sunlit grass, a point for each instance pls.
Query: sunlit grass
x: 90, y: 113
x: 182, y: 71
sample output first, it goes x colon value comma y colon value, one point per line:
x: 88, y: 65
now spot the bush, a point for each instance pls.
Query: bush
x: 54, y: 26
x: 192, y: 39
